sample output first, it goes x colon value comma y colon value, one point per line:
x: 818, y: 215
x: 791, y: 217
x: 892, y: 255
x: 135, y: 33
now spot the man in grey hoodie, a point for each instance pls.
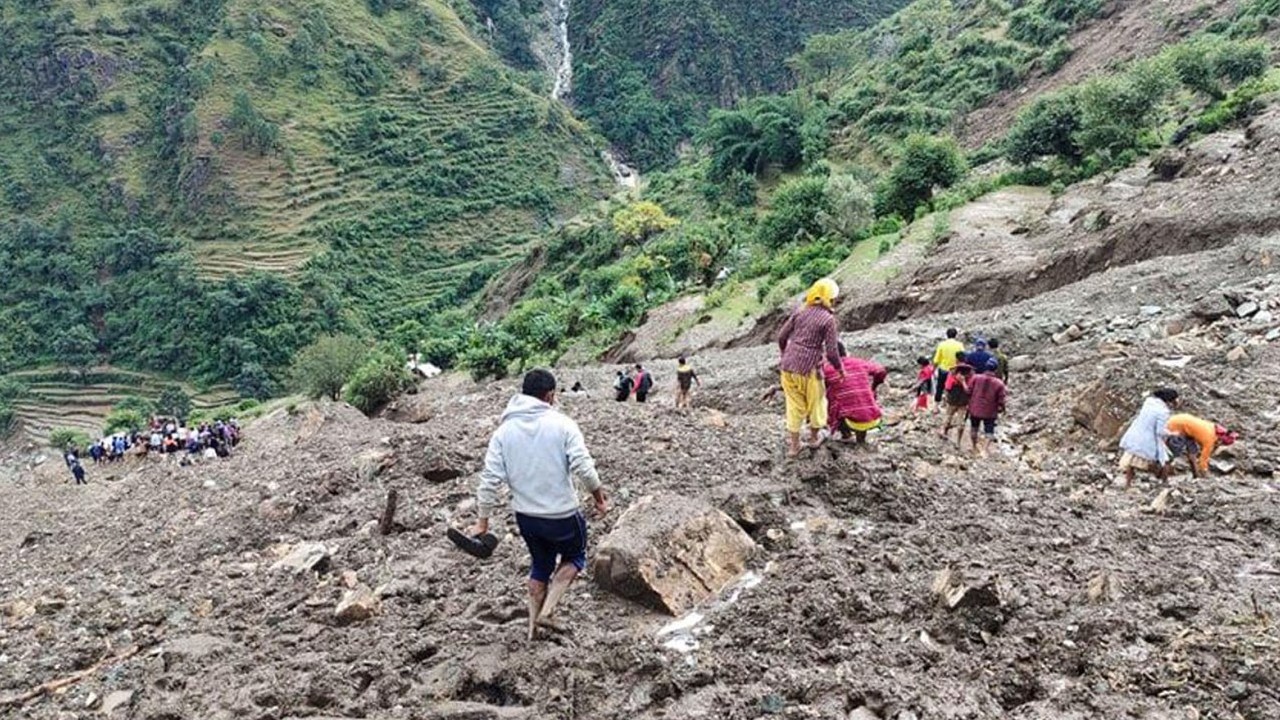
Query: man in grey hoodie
x: 537, y: 452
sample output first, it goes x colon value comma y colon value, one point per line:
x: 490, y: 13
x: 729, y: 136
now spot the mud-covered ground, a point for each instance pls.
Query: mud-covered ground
x: 1089, y: 601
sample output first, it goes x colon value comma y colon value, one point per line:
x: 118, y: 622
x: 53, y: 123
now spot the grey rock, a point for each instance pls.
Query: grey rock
x: 304, y: 557
x: 1273, y: 334
x: 120, y: 699
x: 1151, y: 310
x: 1246, y: 309
x: 1264, y: 317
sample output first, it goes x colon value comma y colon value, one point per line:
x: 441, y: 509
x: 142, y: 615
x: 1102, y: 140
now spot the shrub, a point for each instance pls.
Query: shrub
x: 849, y: 207
x: 796, y: 216
x: 1028, y: 25
x: 63, y: 438
x: 324, y: 366
x: 1057, y: 56
x: 380, y: 378
x: 173, y: 402
x: 640, y: 221
x: 926, y: 163
x: 123, y: 420
x: 1047, y: 127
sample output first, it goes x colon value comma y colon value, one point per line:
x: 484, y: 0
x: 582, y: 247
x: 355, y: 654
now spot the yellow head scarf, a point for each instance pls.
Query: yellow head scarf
x: 824, y: 292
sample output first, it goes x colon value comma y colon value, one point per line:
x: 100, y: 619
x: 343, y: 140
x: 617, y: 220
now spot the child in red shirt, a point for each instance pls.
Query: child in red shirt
x: 924, y: 384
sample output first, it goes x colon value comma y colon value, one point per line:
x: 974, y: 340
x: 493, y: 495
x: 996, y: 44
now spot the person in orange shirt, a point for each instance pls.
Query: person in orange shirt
x: 1196, y: 438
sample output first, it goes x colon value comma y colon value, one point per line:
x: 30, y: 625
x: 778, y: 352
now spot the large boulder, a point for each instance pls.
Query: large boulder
x: 671, y: 553
x: 1103, y: 410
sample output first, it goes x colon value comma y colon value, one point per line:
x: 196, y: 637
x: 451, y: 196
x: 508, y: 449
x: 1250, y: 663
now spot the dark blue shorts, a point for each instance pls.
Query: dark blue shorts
x: 553, y: 541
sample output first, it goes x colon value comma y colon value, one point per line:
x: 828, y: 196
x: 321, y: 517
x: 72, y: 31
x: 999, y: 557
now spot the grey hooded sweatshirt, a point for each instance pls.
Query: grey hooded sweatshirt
x: 536, y: 451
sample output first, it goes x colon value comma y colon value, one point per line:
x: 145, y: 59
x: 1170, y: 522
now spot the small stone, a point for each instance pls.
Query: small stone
x: 1263, y: 317
x: 304, y: 557
x: 863, y: 713
x: 116, y: 700
x: 1262, y: 468
x: 1237, y: 690
x: 1246, y: 309
x: 1151, y: 310
x: 1237, y: 355
x: 1222, y: 467
x: 1273, y: 334
x: 50, y: 605
x: 1071, y: 334
x: 349, y: 579
x: 209, y: 485
x: 357, y: 604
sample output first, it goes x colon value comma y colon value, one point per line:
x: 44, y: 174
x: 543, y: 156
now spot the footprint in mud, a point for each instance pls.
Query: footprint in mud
x: 497, y: 612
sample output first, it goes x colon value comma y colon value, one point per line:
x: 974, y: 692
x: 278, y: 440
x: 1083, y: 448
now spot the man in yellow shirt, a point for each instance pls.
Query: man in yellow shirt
x: 1195, y: 438
x: 944, y: 359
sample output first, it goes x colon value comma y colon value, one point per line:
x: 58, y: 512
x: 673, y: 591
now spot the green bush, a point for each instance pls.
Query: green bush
x: 1057, y: 56
x: 926, y: 163
x: 796, y: 216
x: 378, y: 380
x: 63, y: 438
x: 1028, y: 25
x: 1047, y: 127
x: 123, y: 420
x: 173, y: 402
x: 323, y: 367
x: 8, y: 419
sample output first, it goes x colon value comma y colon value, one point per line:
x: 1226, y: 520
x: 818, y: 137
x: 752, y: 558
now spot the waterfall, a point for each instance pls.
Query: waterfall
x: 561, y: 65
x: 564, y: 68
x: 623, y: 174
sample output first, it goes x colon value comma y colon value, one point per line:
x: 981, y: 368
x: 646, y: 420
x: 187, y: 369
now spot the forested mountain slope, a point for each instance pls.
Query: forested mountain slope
x: 647, y: 72
x: 376, y: 158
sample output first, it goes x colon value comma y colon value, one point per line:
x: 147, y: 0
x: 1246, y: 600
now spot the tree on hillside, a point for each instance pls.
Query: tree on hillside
x: 77, y: 348
x: 173, y: 403
x: 849, y: 207
x: 378, y: 380
x: 1047, y: 127
x: 764, y: 133
x: 926, y: 163
x: 253, y: 381
x: 640, y: 221
x: 324, y: 366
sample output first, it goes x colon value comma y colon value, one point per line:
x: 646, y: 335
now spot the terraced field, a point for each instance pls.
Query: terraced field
x: 54, y: 400
x: 452, y: 165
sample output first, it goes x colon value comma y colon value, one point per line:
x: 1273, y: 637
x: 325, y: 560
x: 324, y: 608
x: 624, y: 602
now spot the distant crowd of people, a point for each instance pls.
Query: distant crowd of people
x: 162, y: 436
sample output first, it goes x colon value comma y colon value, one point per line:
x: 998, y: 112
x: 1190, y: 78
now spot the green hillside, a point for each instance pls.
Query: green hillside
x: 646, y: 72
x: 201, y: 186
x: 784, y: 189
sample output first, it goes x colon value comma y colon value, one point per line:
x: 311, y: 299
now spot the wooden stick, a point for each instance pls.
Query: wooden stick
x: 389, y: 513
x: 56, y: 685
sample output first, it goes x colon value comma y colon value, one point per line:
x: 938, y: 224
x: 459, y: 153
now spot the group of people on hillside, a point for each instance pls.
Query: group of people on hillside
x: 826, y: 388
x: 161, y: 436
x: 1157, y: 436
x: 970, y: 383
x: 638, y: 382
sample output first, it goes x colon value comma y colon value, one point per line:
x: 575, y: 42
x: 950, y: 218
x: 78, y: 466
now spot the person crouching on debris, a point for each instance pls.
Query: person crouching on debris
x: 807, y: 336
x: 1195, y: 439
x: 851, y: 396
x: 1143, y: 444
x: 537, y: 452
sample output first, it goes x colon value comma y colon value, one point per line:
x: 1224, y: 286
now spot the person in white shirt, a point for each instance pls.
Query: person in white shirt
x: 537, y: 451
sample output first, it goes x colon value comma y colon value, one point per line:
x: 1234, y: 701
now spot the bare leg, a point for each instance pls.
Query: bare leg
x: 814, y: 440
x: 560, y: 583
x: 860, y: 437
x: 1128, y: 478
x: 537, y: 596
x: 793, y: 444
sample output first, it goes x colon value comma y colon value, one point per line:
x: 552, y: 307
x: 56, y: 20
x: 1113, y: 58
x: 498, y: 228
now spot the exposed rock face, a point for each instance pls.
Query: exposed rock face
x: 672, y: 552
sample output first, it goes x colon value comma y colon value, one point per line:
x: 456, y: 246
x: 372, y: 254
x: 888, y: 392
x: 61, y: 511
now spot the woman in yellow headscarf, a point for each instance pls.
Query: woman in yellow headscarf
x: 808, y: 337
